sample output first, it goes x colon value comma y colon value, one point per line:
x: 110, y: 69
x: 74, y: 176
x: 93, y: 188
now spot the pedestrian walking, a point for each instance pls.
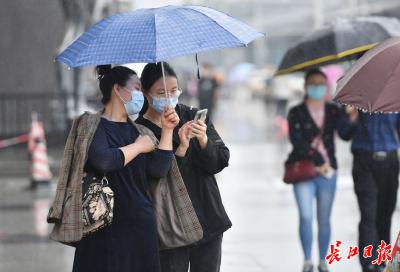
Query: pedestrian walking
x: 312, y: 127
x: 372, y: 85
x: 109, y: 143
x: 200, y: 153
x: 376, y: 179
x: 208, y: 90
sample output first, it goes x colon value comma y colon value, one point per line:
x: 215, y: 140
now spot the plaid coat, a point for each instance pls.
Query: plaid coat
x: 178, y: 224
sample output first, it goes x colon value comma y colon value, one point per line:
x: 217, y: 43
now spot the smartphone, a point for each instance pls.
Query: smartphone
x: 330, y: 173
x: 201, y: 115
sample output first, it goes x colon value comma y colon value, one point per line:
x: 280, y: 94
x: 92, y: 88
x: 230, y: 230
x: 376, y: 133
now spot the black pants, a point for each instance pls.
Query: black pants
x: 375, y: 183
x: 202, y: 258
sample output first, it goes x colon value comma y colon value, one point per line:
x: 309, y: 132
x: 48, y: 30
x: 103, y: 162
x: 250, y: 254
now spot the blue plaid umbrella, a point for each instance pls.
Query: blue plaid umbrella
x: 154, y: 35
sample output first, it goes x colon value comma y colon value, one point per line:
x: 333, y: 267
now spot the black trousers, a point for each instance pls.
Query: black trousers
x: 202, y: 258
x: 375, y: 183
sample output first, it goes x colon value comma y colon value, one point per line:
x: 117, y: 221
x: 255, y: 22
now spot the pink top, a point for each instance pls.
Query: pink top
x: 318, y: 115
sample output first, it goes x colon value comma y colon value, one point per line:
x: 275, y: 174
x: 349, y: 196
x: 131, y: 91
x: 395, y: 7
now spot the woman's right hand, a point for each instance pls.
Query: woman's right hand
x: 352, y: 112
x: 145, y: 143
x: 323, y: 169
x: 169, y: 118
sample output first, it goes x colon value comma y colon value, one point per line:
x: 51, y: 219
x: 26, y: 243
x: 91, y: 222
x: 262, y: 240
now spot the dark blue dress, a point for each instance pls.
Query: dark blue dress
x: 130, y: 244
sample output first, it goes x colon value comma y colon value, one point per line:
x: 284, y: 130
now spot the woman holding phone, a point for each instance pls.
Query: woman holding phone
x: 200, y: 153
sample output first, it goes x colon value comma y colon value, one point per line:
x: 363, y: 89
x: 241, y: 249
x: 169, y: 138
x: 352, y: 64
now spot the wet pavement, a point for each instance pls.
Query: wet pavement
x: 262, y: 208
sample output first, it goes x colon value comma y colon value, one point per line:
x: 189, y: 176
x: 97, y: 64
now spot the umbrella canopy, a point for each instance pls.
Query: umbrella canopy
x: 373, y: 83
x: 158, y: 34
x: 343, y: 40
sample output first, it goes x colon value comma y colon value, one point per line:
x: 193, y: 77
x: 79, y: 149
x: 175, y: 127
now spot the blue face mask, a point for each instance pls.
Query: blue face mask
x: 136, y: 104
x: 316, y: 92
x: 159, y: 103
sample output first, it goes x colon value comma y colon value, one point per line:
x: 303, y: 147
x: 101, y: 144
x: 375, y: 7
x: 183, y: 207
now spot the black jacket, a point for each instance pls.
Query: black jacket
x: 303, y: 130
x: 198, y: 168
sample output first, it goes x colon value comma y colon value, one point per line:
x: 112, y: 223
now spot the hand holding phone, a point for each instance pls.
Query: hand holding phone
x: 200, y: 115
x: 199, y: 129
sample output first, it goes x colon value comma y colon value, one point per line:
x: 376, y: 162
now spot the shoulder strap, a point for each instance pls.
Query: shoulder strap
x: 321, y: 130
x: 319, y: 136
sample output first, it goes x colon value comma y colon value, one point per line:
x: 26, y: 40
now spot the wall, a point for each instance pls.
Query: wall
x: 30, y: 33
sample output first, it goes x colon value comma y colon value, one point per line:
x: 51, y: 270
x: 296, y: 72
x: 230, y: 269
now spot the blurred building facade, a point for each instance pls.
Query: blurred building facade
x: 286, y: 21
x: 33, y: 32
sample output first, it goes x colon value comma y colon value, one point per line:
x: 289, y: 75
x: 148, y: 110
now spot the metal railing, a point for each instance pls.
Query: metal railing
x: 16, y: 109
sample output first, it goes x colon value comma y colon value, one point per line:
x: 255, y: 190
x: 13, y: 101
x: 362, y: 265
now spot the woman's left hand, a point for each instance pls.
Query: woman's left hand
x: 169, y: 118
x: 199, y: 130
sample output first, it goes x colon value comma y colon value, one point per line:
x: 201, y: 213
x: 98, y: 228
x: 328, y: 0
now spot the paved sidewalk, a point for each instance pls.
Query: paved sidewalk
x: 263, y: 211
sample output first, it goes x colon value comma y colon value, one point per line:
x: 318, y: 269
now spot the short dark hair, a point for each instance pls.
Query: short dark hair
x: 314, y: 72
x: 108, y: 77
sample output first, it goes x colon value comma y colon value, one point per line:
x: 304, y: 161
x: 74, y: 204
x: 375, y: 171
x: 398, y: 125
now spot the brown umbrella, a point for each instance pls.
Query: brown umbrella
x: 373, y: 83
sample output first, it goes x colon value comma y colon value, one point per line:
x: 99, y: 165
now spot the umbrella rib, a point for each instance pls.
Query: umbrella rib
x: 68, y: 62
x: 387, y: 81
x: 326, y: 58
x: 155, y: 36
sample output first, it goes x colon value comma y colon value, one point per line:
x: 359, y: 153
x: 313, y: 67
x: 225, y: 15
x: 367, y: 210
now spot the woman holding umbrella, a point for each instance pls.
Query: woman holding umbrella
x: 312, y: 125
x: 200, y: 154
x: 116, y: 149
x: 115, y: 39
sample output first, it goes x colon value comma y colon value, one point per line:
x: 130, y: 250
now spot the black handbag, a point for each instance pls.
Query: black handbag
x: 97, y: 203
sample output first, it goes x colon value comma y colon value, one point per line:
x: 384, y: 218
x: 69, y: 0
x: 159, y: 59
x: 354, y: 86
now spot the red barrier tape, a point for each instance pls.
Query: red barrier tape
x: 14, y: 141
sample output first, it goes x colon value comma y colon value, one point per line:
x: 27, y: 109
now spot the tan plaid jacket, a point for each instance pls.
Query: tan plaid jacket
x: 177, y: 222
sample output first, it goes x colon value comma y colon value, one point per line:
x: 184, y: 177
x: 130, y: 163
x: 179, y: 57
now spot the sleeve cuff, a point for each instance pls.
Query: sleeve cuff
x: 163, y: 152
x: 207, y: 149
x: 122, y: 158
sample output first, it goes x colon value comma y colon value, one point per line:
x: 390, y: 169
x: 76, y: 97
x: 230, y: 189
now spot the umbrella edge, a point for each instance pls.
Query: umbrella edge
x: 321, y: 60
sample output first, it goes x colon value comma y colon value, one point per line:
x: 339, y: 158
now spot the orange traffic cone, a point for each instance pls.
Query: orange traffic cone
x: 36, y: 132
x: 40, y: 169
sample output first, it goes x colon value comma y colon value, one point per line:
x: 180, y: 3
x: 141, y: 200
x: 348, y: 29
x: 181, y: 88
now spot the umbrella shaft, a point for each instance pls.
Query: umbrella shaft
x: 164, y: 80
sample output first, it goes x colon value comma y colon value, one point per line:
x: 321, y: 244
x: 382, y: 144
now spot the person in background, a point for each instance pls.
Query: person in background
x: 375, y: 144
x: 207, y: 90
x: 312, y: 127
x: 200, y: 154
